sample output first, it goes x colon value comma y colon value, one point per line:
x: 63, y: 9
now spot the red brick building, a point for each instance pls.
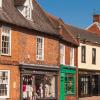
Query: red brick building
x: 32, y: 50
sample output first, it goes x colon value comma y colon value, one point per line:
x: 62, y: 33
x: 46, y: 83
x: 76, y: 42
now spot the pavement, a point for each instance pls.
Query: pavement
x: 90, y: 98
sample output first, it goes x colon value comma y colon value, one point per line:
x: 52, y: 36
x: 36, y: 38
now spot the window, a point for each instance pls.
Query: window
x: 28, y: 12
x: 62, y: 54
x: 6, y: 41
x: 4, y: 84
x: 40, y: 48
x: 72, y: 56
x: 83, y: 54
x: 0, y: 3
x: 39, y: 87
x: 70, y: 84
x: 93, y: 56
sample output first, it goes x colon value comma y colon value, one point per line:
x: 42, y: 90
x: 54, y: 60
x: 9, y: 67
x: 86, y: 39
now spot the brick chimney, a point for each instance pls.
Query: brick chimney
x: 96, y: 18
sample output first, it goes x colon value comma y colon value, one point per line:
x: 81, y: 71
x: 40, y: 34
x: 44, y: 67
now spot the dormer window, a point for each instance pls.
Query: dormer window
x: 28, y: 12
x: 26, y: 9
x: 0, y: 3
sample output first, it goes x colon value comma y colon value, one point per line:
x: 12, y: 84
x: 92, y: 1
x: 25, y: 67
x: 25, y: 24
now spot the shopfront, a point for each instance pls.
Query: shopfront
x: 89, y: 83
x: 39, y: 83
x: 67, y: 82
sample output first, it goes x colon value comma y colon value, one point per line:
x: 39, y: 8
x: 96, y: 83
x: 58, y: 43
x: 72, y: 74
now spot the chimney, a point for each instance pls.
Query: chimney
x: 96, y: 18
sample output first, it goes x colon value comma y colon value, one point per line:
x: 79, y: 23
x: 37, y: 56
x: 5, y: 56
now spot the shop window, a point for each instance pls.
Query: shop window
x: 4, y: 84
x: 70, y: 84
x: 84, y: 85
x: 93, y: 56
x: 40, y: 48
x: 83, y: 54
x: 62, y: 54
x: 6, y: 41
x: 38, y: 87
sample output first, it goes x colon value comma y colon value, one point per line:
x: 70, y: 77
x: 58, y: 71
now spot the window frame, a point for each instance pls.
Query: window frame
x: 0, y: 4
x: 72, y: 52
x: 94, y: 56
x: 37, y: 56
x: 9, y: 53
x: 63, y: 62
x: 8, y: 91
x: 73, y: 86
x: 83, y: 54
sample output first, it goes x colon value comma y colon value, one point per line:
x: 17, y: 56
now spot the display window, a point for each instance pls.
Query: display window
x: 38, y: 87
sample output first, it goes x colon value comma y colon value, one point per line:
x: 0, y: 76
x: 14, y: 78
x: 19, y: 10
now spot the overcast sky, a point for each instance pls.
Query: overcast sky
x: 75, y: 12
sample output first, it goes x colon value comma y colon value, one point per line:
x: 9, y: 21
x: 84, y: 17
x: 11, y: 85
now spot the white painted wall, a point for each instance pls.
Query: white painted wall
x: 88, y: 64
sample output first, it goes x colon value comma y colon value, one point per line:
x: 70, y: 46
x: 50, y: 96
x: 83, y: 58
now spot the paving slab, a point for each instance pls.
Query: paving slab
x: 90, y: 98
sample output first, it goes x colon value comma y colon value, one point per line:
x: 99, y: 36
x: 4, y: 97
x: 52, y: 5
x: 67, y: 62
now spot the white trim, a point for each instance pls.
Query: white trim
x: 8, y: 91
x: 41, y: 37
x: 0, y: 3
x: 9, y: 54
x: 95, y: 23
x: 72, y: 52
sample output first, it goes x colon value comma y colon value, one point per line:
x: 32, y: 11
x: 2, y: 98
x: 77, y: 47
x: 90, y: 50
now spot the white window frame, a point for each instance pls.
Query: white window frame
x: 8, y: 92
x: 62, y: 61
x: 28, y: 12
x: 37, y: 56
x: 0, y: 3
x: 2, y: 33
x: 72, y: 56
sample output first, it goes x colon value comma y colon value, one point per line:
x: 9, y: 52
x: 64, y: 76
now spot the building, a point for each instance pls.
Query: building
x: 32, y: 50
x: 68, y: 61
x: 88, y: 61
x: 95, y: 26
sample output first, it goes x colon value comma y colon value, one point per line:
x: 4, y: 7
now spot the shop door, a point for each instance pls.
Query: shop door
x: 62, y: 87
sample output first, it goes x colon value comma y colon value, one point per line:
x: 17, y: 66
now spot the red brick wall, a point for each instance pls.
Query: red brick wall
x: 14, y: 81
x: 94, y: 29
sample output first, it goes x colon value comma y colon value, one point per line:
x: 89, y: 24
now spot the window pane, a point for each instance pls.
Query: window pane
x: 3, y: 83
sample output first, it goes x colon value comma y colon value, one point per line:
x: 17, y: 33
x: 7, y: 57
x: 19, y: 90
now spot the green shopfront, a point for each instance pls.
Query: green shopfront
x: 67, y: 82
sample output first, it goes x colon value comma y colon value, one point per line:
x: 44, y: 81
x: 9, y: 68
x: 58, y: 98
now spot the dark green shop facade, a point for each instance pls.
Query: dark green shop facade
x: 67, y: 82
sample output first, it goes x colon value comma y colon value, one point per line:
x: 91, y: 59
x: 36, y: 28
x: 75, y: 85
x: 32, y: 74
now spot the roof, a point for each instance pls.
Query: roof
x: 40, y: 21
x: 83, y: 34
x: 67, y: 36
x: 19, y: 2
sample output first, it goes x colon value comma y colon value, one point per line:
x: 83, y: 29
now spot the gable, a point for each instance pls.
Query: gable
x: 94, y: 28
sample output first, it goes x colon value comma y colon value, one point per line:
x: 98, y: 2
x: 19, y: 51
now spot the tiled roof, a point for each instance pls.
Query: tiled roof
x: 67, y: 36
x: 83, y: 34
x: 40, y: 22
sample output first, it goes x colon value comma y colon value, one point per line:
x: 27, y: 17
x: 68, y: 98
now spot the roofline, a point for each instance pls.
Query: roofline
x: 92, y: 25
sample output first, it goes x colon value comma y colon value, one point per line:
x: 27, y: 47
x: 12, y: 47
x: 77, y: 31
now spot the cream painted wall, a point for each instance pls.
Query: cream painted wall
x: 88, y: 64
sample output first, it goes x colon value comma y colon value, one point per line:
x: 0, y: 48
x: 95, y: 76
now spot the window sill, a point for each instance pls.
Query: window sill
x: 8, y: 55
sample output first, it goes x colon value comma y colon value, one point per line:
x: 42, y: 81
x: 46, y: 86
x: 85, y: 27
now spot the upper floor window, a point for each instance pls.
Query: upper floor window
x: 6, y: 40
x: 40, y: 48
x: 93, y: 56
x: 72, y: 56
x: 4, y: 83
x: 62, y: 54
x: 83, y: 54
x: 0, y: 3
x: 28, y: 12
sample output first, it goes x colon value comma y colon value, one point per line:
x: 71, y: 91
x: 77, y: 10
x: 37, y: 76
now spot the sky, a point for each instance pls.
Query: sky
x: 78, y: 13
